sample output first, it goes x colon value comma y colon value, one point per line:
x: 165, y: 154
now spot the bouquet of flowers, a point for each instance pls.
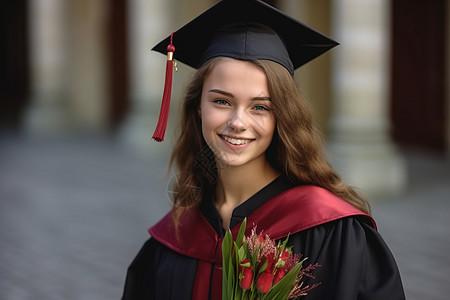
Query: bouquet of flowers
x: 255, y: 267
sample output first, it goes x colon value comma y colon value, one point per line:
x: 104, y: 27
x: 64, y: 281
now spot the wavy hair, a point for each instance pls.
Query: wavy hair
x: 296, y: 149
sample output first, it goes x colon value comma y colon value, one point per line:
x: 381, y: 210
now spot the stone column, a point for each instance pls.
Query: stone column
x: 148, y: 24
x: 359, y: 128
x: 314, y: 78
x: 88, y: 64
x: 448, y: 77
x: 48, y: 112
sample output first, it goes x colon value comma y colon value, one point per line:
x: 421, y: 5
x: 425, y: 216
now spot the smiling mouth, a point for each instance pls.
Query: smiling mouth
x: 235, y: 141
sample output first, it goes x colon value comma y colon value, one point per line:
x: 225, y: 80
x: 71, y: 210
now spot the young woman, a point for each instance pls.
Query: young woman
x: 248, y: 148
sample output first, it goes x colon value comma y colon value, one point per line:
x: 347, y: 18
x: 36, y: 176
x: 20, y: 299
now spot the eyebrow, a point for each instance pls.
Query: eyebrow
x: 217, y: 91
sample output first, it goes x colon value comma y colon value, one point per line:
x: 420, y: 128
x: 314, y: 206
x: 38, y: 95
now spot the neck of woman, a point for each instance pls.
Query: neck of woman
x: 236, y: 184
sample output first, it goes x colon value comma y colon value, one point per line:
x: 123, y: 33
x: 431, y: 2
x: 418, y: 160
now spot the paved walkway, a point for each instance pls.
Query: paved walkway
x: 73, y: 214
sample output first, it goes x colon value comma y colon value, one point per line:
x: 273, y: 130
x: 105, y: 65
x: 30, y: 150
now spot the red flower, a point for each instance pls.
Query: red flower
x: 285, y: 255
x: 264, y: 282
x: 270, y: 263
x: 281, y: 266
x: 261, y: 264
x: 279, y: 274
x: 246, y: 274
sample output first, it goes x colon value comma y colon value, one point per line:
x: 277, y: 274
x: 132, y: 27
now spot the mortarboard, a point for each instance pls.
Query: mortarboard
x: 241, y: 29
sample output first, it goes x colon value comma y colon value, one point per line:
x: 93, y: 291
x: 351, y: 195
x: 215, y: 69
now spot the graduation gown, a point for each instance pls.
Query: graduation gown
x: 185, y: 264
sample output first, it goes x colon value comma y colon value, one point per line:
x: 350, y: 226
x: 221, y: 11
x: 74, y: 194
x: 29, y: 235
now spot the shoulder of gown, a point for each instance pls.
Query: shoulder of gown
x: 157, y: 272
x: 355, y: 261
x: 355, y: 264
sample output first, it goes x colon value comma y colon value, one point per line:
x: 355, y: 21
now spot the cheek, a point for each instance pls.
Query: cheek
x: 271, y: 130
x: 209, y: 121
x: 265, y: 127
x: 274, y: 126
x: 212, y: 118
x: 203, y: 114
x: 205, y: 128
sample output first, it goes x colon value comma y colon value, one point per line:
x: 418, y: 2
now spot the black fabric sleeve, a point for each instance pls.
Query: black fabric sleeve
x: 159, y: 273
x: 356, y: 264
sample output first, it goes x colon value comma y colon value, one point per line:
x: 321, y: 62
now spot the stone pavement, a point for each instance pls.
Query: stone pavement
x: 74, y: 212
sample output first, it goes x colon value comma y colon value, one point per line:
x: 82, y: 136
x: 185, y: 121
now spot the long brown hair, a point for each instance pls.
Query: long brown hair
x: 296, y: 149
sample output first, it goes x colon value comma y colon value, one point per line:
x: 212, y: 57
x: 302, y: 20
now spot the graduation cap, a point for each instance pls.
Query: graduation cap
x: 240, y: 29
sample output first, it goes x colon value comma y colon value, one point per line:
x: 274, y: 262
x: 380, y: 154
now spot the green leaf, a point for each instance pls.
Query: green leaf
x: 246, y: 265
x: 227, y: 280
x: 238, y: 294
x: 255, y: 256
x: 283, y: 287
x: 232, y: 274
x: 284, y: 243
x: 246, y: 295
x: 241, y: 254
x: 280, y: 264
x: 241, y: 233
x: 247, y: 252
x: 236, y: 261
x: 263, y: 267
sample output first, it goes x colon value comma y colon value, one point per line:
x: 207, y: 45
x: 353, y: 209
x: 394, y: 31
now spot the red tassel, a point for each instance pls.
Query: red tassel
x: 160, y: 130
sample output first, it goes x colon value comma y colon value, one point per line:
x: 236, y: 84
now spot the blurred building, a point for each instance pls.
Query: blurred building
x: 85, y: 66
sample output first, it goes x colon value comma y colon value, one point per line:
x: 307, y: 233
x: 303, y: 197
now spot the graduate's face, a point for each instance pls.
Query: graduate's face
x: 236, y: 112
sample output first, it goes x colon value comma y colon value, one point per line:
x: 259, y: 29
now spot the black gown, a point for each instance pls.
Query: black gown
x: 355, y: 261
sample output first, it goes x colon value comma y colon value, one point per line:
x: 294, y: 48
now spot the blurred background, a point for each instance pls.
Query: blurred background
x: 80, y: 90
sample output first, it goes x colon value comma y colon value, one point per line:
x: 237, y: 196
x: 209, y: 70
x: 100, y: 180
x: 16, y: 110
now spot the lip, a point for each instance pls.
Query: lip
x: 230, y: 141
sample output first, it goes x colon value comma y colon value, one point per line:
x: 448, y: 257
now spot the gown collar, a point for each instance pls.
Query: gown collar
x: 209, y: 210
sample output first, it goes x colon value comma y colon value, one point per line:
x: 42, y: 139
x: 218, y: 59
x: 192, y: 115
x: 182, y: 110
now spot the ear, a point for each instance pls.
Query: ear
x: 199, y: 111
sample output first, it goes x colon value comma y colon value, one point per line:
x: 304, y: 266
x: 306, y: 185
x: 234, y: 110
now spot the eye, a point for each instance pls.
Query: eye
x: 260, y: 108
x: 221, y: 102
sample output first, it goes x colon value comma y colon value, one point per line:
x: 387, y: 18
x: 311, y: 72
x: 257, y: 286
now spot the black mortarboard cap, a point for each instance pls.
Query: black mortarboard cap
x: 246, y: 29
x: 241, y: 29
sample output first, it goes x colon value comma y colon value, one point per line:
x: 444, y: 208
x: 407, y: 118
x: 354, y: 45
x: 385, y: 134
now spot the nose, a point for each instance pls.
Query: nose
x: 237, y: 121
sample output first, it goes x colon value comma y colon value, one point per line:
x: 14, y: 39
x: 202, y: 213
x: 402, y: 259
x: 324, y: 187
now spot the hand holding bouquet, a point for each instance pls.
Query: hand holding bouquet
x: 254, y: 267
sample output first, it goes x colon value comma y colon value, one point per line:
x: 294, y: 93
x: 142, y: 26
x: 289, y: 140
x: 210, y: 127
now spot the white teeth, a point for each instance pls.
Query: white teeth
x: 235, y: 141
